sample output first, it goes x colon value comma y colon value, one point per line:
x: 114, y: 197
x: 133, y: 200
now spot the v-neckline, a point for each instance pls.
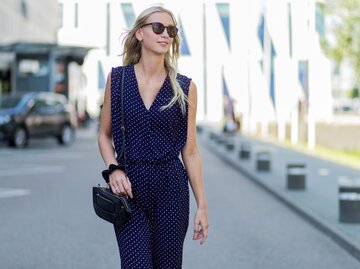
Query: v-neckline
x: 138, y: 91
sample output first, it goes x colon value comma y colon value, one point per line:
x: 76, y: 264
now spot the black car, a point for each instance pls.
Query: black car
x: 36, y: 114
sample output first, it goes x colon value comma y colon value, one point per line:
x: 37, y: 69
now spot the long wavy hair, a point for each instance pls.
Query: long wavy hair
x: 132, y: 54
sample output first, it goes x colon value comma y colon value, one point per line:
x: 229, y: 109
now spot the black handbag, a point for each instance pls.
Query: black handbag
x: 108, y: 206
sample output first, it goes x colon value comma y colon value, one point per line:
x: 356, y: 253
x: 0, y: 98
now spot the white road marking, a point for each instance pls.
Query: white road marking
x: 323, y: 172
x: 71, y: 155
x: 32, y: 170
x: 345, y: 181
x: 11, y: 192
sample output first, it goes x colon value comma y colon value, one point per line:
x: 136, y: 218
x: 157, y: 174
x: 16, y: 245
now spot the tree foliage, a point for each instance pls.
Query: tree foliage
x: 343, y: 39
x: 354, y: 93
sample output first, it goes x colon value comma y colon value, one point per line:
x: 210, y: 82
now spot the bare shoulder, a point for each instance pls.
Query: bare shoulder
x: 192, y: 96
x: 108, y: 82
x: 192, y: 86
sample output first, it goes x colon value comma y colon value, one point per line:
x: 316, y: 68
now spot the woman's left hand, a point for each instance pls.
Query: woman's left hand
x: 201, y: 225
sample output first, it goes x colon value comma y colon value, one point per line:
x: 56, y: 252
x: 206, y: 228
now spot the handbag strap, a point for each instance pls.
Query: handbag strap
x: 122, y: 116
x: 105, y: 173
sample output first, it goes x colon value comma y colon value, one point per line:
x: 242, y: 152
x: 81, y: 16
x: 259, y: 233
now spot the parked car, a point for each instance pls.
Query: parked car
x: 36, y: 114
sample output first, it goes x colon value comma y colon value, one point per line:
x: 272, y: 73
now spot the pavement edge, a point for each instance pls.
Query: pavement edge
x: 335, y: 234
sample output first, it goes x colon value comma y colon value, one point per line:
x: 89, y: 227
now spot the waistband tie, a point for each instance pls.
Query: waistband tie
x: 153, y: 162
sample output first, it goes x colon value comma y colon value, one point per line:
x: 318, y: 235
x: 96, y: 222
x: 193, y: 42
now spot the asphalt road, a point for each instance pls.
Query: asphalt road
x: 47, y: 219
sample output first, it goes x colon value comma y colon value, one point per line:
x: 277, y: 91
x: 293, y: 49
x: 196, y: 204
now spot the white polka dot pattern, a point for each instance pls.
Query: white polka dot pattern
x: 155, y: 235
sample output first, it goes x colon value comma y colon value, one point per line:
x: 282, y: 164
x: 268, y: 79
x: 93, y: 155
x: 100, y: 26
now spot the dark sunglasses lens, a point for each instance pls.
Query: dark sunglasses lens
x: 172, y: 31
x: 158, y: 28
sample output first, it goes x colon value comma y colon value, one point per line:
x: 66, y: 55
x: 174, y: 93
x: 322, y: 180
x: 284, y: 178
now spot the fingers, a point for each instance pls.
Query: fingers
x: 120, y: 185
x: 114, y: 187
x: 204, y: 234
x: 197, y: 231
x: 201, y: 227
x: 201, y: 234
x: 127, y: 187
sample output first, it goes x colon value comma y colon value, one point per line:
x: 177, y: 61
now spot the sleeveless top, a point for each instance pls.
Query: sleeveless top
x: 151, y: 135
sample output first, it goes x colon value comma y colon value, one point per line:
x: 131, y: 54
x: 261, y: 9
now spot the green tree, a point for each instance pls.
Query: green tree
x: 343, y: 39
x: 354, y: 93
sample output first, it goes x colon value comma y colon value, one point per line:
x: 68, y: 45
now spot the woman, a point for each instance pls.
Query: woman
x: 159, y: 119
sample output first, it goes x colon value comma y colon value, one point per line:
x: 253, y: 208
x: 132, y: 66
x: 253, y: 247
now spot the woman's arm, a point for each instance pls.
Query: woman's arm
x: 104, y: 138
x: 119, y: 182
x: 192, y: 161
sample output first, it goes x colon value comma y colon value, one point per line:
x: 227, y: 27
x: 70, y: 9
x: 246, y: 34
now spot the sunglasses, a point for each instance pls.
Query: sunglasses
x: 158, y: 28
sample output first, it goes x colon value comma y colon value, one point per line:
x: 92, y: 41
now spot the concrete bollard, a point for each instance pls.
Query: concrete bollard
x: 263, y: 159
x: 213, y: 136
x: 349, y: 201
x: 220, y: 139
x: 245, y: 151
x: 230, y: 145
x: 296, y: 176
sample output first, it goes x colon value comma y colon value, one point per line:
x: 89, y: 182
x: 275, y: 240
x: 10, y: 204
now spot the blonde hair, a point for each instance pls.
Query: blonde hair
x: 132, y: 54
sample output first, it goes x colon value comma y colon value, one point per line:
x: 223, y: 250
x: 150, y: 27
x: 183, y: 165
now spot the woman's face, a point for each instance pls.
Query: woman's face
x: 156, y: 43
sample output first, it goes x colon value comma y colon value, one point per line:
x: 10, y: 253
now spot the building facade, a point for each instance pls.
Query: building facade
x: 30, y: 57
x: 24, y: 21
x: 28, y: 21
x: 263, y: 56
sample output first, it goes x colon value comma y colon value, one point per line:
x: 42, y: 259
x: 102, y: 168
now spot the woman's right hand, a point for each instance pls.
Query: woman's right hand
x: 120, y: 183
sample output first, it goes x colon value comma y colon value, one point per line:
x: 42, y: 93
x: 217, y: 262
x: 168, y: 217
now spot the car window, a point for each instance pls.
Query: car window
x: 48, y: 105
x: 55, y: 103
x: 40, y: 106
x: 9, y: 102
x: 40, y: 103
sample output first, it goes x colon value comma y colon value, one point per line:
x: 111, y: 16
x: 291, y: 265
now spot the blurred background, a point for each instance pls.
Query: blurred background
x: 284, y: 72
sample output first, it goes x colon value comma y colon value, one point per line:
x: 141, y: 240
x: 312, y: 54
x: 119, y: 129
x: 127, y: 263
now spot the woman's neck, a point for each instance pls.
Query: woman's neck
x: 151, y: 66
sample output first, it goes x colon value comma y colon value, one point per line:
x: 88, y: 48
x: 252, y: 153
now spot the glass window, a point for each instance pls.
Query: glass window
x: 320, y: 21
x: 33, y: 68
x: 290, y: 29
x: 9, y: 101
x: 224, y: 13
x: 40, y: 105
x: 107, y: 29
x: 61, y: 14
x: 101, y: 77
x: 48, y: 104
x: 76, y: 19
x: 303, y: 75
x: 184, y: 45
x: 24, y: 8
x: 261, y: 29
x: 128, y: 14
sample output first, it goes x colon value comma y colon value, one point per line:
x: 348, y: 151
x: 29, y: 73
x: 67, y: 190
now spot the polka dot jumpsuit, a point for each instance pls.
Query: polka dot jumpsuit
x: 155, y: 235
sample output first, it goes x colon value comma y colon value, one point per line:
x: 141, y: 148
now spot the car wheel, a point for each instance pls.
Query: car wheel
x: 66, y: 135
x: 19, y: 138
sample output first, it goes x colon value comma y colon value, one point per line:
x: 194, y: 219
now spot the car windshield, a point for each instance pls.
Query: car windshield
x: 9, y: 101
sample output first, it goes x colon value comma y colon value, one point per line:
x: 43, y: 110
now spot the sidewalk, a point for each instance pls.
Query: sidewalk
x: 318, y: 202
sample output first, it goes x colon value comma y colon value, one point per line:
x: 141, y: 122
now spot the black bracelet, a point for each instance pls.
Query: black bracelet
x: 112, y: 167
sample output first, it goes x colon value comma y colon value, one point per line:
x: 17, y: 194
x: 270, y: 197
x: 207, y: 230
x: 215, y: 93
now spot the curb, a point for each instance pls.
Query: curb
x: 343, y: 240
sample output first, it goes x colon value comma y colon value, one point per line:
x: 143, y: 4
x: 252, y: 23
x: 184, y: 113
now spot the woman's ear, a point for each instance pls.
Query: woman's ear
x: 138, y: 34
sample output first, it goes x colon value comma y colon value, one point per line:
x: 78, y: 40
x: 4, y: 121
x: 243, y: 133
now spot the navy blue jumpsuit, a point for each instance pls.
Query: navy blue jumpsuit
x: 155, y: 235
